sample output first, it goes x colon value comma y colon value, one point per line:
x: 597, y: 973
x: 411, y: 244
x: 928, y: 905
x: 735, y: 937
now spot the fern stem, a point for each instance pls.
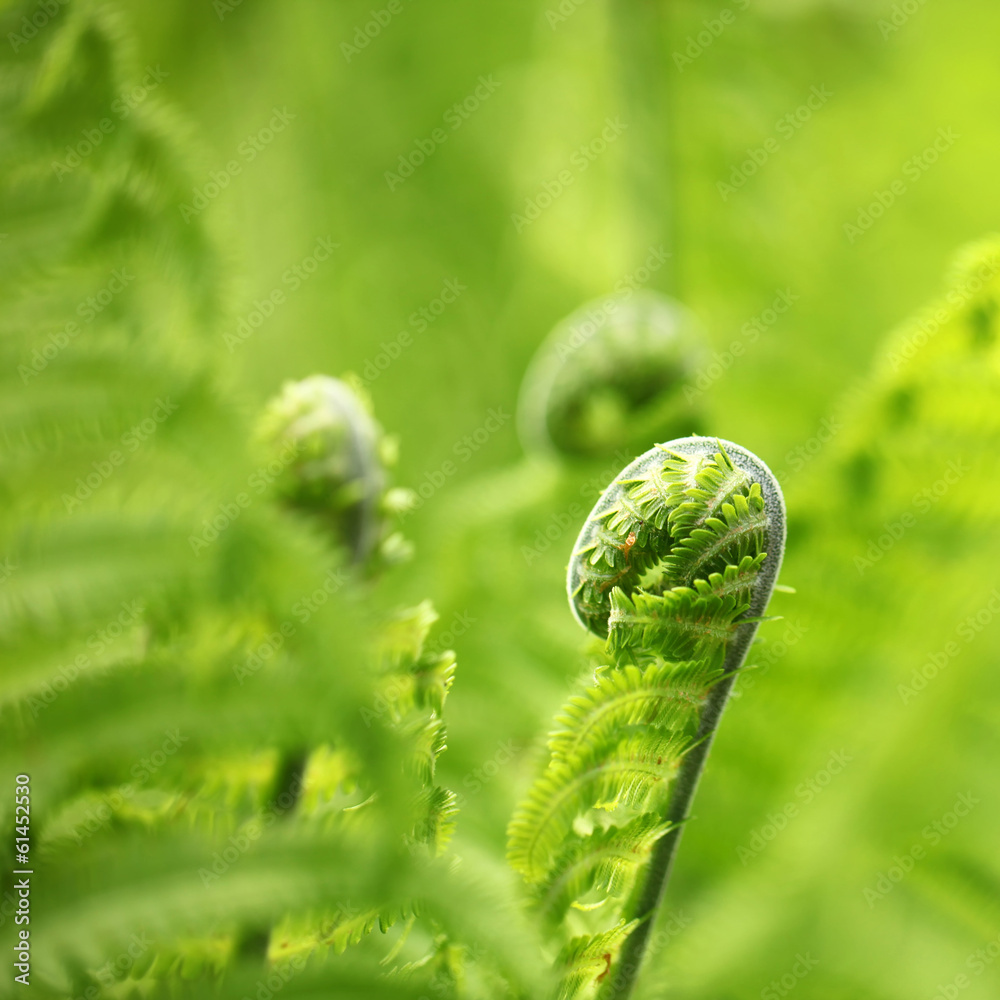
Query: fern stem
x: 647, y: 900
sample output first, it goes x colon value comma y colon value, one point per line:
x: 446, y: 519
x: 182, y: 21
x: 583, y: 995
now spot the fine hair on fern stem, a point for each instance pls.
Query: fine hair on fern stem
x: 675, y: 567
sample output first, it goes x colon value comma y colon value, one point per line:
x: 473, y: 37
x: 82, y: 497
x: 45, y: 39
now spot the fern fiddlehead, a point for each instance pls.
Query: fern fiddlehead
x: 674, y: 567
x: 335, y: 459
x: 611, y: 375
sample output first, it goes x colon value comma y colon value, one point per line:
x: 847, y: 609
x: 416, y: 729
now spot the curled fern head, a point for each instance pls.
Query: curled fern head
x: 330, y: 458
x: 612, y: 375
x: 687, y: 525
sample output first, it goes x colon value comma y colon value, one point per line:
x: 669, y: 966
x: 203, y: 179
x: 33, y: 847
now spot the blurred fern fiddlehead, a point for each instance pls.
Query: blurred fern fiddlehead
x: 675, y: 566
x: 336, y: 461
x: 216, y: 772
x: 610, y: 376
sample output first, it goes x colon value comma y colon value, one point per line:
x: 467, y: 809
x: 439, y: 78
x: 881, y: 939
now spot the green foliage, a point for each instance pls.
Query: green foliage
x: 854, y: 670
x: 232, y: 749
x: 666, y: 694
x: 622, y: 769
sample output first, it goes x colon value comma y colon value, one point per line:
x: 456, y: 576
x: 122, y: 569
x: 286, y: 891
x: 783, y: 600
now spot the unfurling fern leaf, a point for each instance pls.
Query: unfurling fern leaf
x: 675, y: 566
x: 666, y: 694
x: 626, y: 773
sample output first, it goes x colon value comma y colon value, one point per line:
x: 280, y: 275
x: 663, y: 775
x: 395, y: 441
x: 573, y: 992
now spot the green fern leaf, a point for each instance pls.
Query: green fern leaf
x: 715, y: 484
x: 680, y: 623
x: 668, y: 567
x: 721, y: 542
x: 666, y: 695
x: 733, y: 581
x: 642, y: 763
x: 587, y: 960
x: 606, y: 862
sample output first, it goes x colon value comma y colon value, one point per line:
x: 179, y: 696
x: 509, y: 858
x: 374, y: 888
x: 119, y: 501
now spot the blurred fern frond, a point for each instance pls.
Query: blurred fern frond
x: 231, y: 747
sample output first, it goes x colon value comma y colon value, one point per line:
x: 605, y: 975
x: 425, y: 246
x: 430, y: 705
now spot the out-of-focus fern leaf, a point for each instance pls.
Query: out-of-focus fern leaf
x: 223, y: 735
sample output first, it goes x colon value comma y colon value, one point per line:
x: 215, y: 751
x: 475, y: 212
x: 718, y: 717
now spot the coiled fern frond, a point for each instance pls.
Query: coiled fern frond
x: 335, y: 460
x: 675, y: 567
x: 611, y: 375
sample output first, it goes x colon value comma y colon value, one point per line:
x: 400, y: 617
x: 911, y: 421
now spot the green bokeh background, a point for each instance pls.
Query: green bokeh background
x: 858, y: 636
